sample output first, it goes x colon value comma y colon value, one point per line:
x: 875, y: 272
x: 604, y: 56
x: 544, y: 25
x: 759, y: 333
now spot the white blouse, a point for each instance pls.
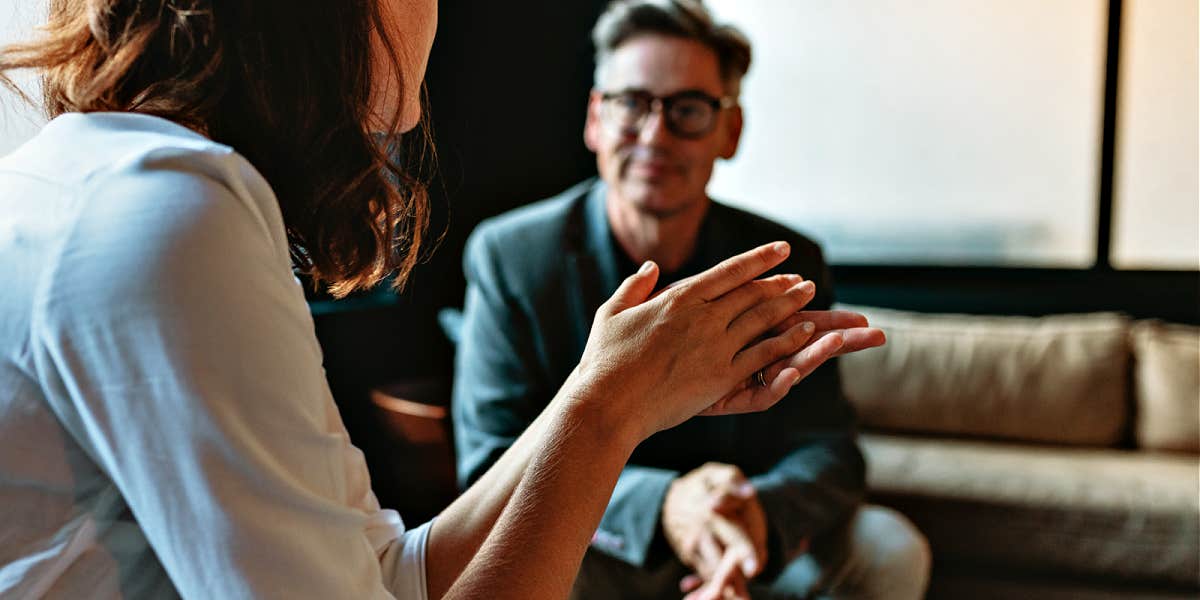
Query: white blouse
x: 165, y: 425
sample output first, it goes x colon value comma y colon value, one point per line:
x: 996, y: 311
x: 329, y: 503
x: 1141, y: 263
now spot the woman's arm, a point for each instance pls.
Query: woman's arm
x: 460, y: 529
x: 542, y: 530
x: 522, y: 529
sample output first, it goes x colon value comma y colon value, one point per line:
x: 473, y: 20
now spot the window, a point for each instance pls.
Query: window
x: 940, y: 132
x: 1156, y: 196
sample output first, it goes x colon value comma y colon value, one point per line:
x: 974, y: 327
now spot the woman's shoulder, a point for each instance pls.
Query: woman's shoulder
x: 155, y: 208
x: 140, y: 176
x: 73, y: 147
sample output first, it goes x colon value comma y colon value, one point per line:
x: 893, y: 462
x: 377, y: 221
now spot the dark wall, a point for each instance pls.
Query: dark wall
x: 507, y: 85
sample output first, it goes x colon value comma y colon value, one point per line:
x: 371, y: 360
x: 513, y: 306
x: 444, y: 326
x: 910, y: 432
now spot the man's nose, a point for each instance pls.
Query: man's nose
x: 654, y: 127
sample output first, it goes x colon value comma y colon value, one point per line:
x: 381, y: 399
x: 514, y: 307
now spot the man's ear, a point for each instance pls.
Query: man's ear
x: 733, y: 132
x: 591, y: 127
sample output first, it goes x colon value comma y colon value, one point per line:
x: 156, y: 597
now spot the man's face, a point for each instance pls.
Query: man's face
x: 652, y: 168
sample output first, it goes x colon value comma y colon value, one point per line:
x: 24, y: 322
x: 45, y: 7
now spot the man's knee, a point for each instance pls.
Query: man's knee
x: 893, y: 553
x: 880, y: 555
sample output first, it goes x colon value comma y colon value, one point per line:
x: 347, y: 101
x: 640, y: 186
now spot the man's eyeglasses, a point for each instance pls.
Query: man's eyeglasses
x: 689, y: 114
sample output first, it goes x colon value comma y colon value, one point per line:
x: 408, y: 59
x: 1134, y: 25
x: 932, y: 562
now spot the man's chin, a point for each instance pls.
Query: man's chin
x: 660, y: 198
x: 658, y: 205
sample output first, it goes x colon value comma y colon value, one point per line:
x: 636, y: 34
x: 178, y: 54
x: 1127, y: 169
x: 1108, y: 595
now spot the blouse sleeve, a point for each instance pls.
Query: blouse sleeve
x: 176, y: 347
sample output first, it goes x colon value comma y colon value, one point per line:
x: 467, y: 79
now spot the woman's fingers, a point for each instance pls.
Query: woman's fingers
x: 783, y: 374
x: 853, y: 340
x: 751, y: 394
x: 824, y: 320
x: 837, y: 319
x: 754, y: 398
x: 695, y: 345
x: 732, y: 273
x: 765, y: 352
x: 633, y: 291
x: 816, y: 353
x: 859, y: 338
x: 752, y: 323
x: 756, y: 292
x: 800, y: 366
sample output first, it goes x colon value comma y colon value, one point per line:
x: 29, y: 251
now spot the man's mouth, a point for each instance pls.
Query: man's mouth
x: 651, y: 168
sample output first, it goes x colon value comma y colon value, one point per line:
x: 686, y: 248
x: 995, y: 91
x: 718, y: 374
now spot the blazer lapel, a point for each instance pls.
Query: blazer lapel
x: 591, y: 264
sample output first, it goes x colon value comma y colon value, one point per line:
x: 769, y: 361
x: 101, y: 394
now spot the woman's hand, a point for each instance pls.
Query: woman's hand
x: 835, y: 332
x: 655, y: 363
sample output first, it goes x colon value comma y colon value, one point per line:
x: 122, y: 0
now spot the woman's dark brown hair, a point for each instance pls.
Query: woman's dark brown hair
x: 286, y: 83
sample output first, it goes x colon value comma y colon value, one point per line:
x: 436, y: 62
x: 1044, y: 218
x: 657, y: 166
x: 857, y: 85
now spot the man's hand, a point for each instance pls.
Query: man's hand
x: 712, y: 519
x: 727, y: 583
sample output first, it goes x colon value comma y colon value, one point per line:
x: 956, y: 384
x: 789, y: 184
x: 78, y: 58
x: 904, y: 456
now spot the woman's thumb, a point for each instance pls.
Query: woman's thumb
x: 635, y: 289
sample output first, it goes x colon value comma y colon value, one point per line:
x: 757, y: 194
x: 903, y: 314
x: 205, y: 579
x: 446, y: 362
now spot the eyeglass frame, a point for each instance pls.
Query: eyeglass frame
x: 663, y: 105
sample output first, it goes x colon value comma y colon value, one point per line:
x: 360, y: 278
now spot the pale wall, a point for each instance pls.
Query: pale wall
x: 924, y: 131
x: 18, y: 121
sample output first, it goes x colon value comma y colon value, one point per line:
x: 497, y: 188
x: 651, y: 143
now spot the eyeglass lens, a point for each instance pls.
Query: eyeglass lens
x: 686, y: 115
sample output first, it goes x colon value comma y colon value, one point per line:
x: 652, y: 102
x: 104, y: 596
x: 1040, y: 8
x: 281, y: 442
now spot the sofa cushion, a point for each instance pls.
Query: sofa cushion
x: 1059, y: 379
x: 1098, y: 513
x: 1167, y: 386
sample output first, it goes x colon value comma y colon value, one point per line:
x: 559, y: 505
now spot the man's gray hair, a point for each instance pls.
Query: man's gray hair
x: 688, y: 19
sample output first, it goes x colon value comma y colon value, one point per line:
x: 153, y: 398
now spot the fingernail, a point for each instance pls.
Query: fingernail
x: 808, y: 326
x: 749, y: 565
x: 646, y: 266
x: 796, y: 380
x: 780, y: 248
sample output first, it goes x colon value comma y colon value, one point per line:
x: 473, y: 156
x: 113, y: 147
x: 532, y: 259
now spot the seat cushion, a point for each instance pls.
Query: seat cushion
x: 1059, y: 379
x: 1121, y: 515
x: 1167, y: 386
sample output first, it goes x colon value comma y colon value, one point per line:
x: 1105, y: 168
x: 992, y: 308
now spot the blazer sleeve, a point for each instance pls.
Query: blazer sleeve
x: 630, y: 523
x: 816, y: 477
x: 496, y: 394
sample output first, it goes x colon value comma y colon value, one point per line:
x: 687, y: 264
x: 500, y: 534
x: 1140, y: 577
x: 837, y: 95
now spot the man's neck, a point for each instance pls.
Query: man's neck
x: 669, y: 240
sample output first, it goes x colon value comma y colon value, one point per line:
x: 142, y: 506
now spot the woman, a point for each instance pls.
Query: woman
x: 167, y: 427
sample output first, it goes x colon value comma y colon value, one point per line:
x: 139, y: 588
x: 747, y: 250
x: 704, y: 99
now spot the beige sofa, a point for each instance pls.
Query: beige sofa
x: 1050, y: 457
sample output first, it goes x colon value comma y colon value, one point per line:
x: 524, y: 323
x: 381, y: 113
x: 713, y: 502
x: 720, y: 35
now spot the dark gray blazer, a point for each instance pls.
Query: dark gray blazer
x: 536, y: 276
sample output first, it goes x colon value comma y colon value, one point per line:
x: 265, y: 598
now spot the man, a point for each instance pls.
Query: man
x: 775, y: 493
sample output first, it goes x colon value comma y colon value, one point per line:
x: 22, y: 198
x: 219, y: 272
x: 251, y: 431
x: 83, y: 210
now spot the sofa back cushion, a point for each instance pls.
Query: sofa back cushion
x: 1167, y: 386
x: 1057, y: 379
